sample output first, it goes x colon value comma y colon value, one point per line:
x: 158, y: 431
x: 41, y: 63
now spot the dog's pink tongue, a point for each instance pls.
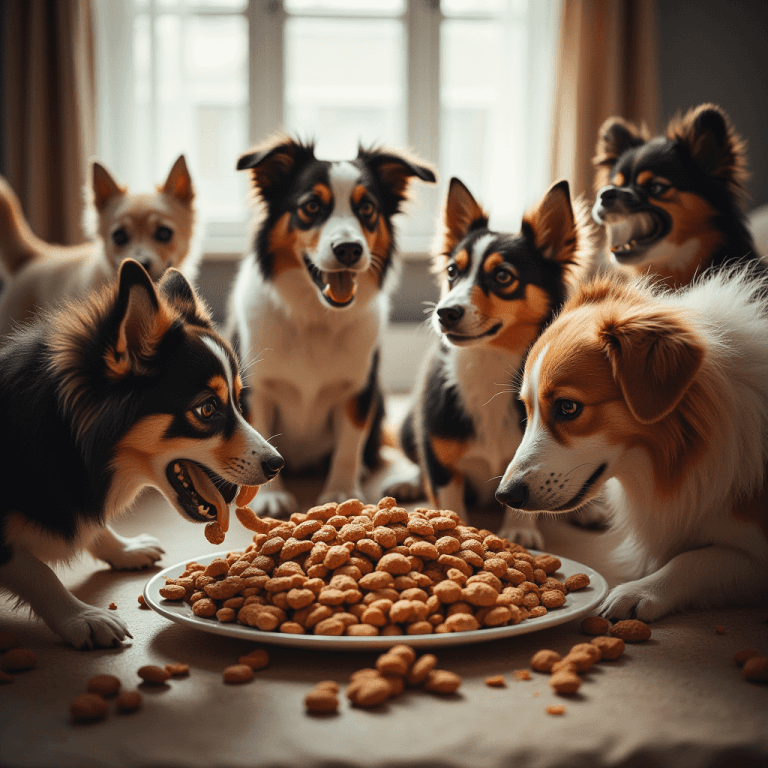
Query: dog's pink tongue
x: 205, y: 488
x: 340, y: 286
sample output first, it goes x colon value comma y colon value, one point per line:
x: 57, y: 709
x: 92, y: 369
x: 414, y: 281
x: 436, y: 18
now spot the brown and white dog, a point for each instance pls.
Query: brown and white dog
x: 672, y: 206
x: 660, y: 400
x: 156, y: 229
x: 309, y: 304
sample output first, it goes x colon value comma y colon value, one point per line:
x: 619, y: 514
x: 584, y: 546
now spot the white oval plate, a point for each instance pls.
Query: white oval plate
x: 577, y: 605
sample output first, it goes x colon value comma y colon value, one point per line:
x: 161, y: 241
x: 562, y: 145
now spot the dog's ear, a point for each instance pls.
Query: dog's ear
x: 179, y: 182
x: 713, y: 144
x: 551, y: 224
x: 461, y: 215
x: 615, y: 137
x: 394, y: 173
x: 104, y: 186
x: 654, y: 356
x: 141, y: 320
x: 273, y: 161
x: 181, y: 296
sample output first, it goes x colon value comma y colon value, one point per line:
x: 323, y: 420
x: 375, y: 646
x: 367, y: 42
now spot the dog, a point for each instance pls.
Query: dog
x: 659, y: 398
x: 128, y: 389
x: 310, y: 302
x: 498, y: 291
x: 156, y: 229
x: 672, y: 206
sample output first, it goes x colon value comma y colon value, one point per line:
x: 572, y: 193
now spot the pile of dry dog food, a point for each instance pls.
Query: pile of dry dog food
x: 367, y: 570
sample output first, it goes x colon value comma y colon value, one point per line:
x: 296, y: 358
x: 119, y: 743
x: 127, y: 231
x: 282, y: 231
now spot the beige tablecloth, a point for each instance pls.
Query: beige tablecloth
x: 676, y: 700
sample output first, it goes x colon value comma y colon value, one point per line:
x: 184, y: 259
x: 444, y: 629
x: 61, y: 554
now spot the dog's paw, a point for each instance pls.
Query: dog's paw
x: 134, y: 554
x: 338, y: 495
x: 91, y: 627
x: 633, y: 600
x: 521, y: 529
x: 277, y: 504
x: 404, y: 486
x: 590, y: 516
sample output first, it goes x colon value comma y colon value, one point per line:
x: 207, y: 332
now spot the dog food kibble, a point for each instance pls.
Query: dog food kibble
x: 143, y: 603
x: 238, y: 673
x: 610, y: 647
x: 555, y: 709
x: 740, y: 657
x: 128, y: 701
x: 177, y: 670
x: 367, y: 570
x: 104, y: 685
x: 595, y: 625
x: 213, y: 532
x: 522, y: 674
x: 631, y: 631
x: 153, y: 675
x: 495, y: 681
x: 323, y: 699
x: 7, y: 640
x: 18, y: 660
x: 256, y: 659
x: 576, y: 582
x: 88, y: 707
x: 565, y: 682
x: 543, y: 661
x: 756, y: 669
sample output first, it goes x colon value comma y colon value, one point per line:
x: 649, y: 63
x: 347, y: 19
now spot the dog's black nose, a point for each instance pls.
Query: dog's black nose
x: 516, y: 496
x: 449, y: 316
x: 608, y: 196
x: 348, y: 253
x: 272, y: 466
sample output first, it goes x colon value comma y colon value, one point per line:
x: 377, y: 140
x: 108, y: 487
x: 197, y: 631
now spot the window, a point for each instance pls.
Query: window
x: 465, y: 84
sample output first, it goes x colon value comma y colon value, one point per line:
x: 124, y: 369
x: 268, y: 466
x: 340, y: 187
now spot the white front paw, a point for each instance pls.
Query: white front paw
x: 90, y: 627
x: 133, y: 554
x: 633, y: 600
x: 404, y: 486
x: 278, y: 504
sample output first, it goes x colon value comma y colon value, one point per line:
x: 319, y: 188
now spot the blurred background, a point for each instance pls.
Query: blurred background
x: 505, y: 94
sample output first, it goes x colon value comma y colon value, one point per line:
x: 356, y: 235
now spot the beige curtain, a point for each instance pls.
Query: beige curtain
x: 49, y: 110
x: 607, y: 65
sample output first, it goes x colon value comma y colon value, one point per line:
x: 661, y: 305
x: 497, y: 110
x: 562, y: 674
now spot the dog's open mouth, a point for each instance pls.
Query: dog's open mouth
x: 631, y: 233
x: 337, y: 288
x: 202, y: 494
x: 582, y: 492
x: 465, y: 340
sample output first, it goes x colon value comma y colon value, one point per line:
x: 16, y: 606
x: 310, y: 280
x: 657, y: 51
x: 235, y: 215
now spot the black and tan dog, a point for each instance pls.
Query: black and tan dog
x: 499, y: 290
x: 131, y: 388
x: 310, y: 302
x: 672, y: 206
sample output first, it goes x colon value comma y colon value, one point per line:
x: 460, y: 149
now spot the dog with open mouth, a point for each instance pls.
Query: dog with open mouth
x: 498, y: 291
x: 128, y: 389
x: 309, y: 304
x: 673, y: 206
x: 658, y: 399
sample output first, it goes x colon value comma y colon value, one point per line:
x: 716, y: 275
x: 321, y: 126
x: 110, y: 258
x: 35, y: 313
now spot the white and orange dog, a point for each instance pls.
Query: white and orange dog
x: 660, y: 400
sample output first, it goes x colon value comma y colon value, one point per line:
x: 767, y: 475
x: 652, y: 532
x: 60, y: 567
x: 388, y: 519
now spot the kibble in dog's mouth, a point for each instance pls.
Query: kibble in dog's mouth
x: 337, y: 288
x: 202, y: 494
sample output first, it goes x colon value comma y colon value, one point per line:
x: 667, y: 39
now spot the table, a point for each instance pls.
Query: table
x: 676, y: 700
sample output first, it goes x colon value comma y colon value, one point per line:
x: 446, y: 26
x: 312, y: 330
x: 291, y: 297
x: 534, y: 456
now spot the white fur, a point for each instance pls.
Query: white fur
x: 689, y: 551
x: 304, y: 359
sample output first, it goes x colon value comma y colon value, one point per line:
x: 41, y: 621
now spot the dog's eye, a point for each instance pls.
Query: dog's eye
x: 207, y: 409
x: 656, y: 189
x: 366, y: 208
x: 504, y: 277
x: 163, y: 234
x: 120, y: 237
x: 567, y: 409
x: 311, y: 207
x: 452, y: 271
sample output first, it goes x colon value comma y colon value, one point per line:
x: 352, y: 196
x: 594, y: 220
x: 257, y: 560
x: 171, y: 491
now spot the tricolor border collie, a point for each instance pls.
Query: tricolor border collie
x: 309, y: 304
x: 673, y: 205
x: 131, y: 388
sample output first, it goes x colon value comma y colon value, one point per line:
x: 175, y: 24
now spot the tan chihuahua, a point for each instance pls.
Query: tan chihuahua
x: 155, y: 228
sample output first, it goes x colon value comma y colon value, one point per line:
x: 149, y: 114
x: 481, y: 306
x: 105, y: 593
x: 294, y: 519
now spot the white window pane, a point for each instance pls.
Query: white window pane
x: 481, y: 128
x: 384, y: 7
x: 481, y: 7
x: 345, y: 83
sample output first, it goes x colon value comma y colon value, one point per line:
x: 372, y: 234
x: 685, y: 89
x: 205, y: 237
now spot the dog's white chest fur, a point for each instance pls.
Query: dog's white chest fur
x: 303, y: 365
x: 484, y: 379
